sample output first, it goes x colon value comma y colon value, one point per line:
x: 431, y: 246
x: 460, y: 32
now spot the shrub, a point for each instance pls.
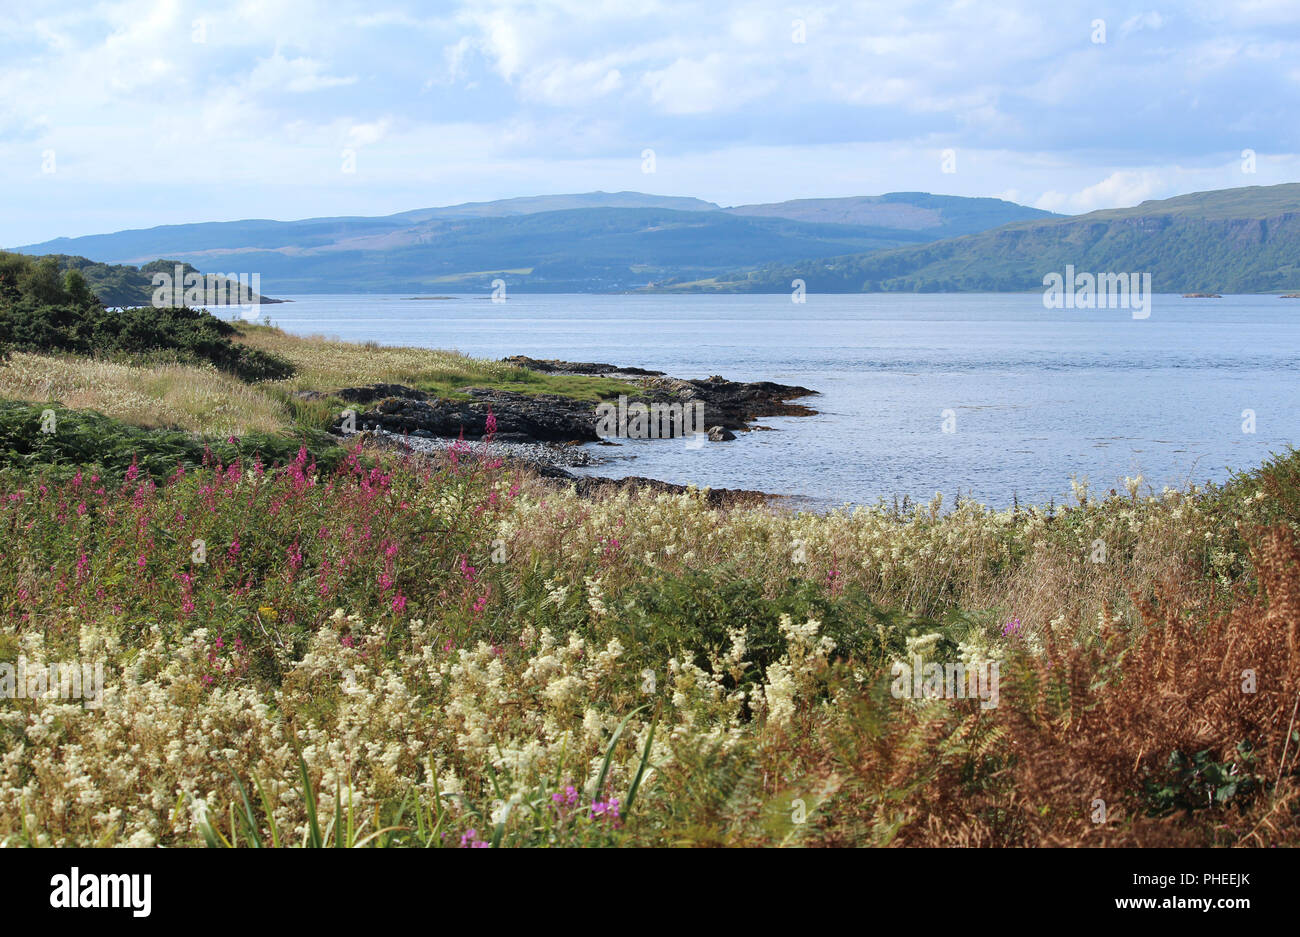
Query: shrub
x: 40, y: 312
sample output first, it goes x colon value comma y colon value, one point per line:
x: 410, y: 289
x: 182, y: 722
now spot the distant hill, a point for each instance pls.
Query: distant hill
x: 531, y: 204
x: 595, y: 241
x: 1242, y: 240
x: 191, y: 241
x: 128, y: 285
x: 939, y: 216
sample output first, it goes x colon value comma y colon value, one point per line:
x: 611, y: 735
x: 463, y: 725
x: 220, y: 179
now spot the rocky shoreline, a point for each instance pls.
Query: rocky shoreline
x: 550, y: 462
x: 545, y: 432
x: 728, y: 406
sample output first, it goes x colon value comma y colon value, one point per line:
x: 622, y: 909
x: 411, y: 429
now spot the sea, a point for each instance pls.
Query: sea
x: 984, y: 396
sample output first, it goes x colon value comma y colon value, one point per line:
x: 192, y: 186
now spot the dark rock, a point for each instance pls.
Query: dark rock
x: 727, y: 406
x: 593, y: 486
x: 552, y: 366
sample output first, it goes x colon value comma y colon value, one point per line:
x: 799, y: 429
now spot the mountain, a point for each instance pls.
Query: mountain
x: 1242, y: 240
x: 531, y: 204
x: 595, y: 241
x: 574, y: 250
x: 940, y: 216
x: 225, y: 237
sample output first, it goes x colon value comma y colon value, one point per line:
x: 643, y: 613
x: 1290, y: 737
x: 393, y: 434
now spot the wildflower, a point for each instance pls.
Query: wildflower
x: 595, y: 598
x: 470, y: 840
x: 568, y: 799
x: 1011, y: 627
x: 607, y: 809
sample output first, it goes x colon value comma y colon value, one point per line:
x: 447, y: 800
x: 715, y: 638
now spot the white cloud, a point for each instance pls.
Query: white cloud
x: 1126, y: 187
x: 298, y: 75
x: 1149, y: 20
x: 485, y: 98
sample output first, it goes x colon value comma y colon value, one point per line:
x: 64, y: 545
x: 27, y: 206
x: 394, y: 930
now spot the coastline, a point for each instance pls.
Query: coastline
x: 547, y: 432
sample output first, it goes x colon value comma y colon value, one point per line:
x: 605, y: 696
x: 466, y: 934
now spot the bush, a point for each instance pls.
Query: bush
x: 39, y: 312
x: 32, y: 437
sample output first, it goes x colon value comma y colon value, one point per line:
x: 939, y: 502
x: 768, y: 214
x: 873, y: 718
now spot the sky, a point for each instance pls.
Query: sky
x: 125, y: 114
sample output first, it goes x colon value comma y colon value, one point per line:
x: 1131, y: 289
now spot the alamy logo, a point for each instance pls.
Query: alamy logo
x: 102, y: 891
x: 953, y: 680
x: 53, y: 681
x: 651, y: 421
x: 195, y: 289
x: 1098, y: 291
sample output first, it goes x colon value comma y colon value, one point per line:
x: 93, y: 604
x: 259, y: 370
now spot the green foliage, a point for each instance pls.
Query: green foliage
x: 30, y: 440
x: 1199, y: 781
x: 695, y: 611
x: 42, y: 310
x: 112, y: 284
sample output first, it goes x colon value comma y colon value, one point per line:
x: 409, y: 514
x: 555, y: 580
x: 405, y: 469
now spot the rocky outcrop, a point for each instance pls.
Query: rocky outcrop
x: 520, y: 417
x: 550, y: 464
x: 593, y: 486
x: 727, y: 406
x: 552, y: 366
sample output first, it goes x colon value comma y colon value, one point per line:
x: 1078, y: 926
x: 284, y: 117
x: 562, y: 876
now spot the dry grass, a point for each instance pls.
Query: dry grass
x: 202, y: 399
x: 172, y: 396
x: 323, y: 363
x: 1083, y: 729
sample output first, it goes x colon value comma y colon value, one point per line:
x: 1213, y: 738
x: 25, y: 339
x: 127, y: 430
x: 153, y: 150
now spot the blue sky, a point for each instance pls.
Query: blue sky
x: 130, y: 114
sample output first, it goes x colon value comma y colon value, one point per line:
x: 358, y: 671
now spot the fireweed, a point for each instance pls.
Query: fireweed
x: 451, y: 638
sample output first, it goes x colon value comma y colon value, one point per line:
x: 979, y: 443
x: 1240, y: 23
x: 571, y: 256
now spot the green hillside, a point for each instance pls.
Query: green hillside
x: 1244, y: 240
x: 121, y: 284
x: 939, y: 216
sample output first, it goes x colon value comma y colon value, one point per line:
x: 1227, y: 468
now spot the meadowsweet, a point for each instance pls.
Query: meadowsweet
x: 356, y: 621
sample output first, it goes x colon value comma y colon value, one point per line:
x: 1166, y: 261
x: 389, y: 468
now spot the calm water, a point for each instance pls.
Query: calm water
x: 1037, y: 394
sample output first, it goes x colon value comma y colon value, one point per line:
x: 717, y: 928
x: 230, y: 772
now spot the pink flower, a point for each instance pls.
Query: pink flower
x: 607, y: 809
x: 469, y: 572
